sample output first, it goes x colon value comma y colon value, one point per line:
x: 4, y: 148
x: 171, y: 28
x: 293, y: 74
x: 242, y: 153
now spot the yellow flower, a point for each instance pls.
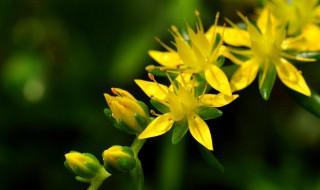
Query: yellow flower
x: 185, y: 109
x: 298, y: 13
x: 197, y: 54
x: 302, y: 18
x: 266, y: 54
x: 127, y: 111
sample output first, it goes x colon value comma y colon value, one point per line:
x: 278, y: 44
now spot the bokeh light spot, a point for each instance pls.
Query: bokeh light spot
x: 33, y: 90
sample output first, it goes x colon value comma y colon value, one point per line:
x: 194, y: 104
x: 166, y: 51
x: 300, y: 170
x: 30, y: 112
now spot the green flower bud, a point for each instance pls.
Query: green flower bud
x: 83, y: 165
x: 118, y: 159
x: 128, y: 114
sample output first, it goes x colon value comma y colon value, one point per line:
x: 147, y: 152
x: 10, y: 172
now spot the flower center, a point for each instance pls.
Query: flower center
x: 266, y: 43
x: 181, y: 102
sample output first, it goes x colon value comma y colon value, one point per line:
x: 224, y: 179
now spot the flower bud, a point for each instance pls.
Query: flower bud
x: 84, y: 165
x: 118, y: 159
x: 130, y: 115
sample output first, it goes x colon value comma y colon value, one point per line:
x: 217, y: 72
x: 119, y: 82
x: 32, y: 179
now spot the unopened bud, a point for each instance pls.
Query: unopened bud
x: 84, y: 165
x: 119, y: 159
x: 129, y: 114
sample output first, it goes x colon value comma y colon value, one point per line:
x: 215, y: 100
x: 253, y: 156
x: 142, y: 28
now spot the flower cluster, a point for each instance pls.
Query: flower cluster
x: 197, y: 86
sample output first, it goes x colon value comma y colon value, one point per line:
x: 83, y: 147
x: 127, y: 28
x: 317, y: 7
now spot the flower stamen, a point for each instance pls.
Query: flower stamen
x: 164, y: 45
x: 214, y: 32
x: 151, y: 77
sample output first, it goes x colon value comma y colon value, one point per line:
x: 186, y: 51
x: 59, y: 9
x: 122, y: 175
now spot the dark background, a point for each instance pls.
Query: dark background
x: 57, y: 58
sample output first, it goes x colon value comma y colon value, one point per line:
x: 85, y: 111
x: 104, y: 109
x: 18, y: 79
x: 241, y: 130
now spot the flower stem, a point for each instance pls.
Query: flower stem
x: 137, y: 145
x: 137, y: 172
x: 97, y: 181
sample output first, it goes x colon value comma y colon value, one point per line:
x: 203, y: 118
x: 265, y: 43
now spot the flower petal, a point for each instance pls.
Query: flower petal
x: 186, y: 53
x: 308, y: 40
x: 226, y: 52
x: 167, y: 59
x: 232, y: 36
x: 218, y: 80
x: 217, y: 100
x: 153, y: 89
x: 158, y: 126
x: 245, y: 75
x: 200, y: 131
x: 292, y: 78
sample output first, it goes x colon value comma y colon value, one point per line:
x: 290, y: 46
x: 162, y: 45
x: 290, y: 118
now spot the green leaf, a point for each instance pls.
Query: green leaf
x: 220, y: 61
x: 180, y: 128
x: 199, y: 89
x: 229, y: 70
x: 66, y: 164
x: 160, y: 107
x: 200, y: 78
x: 108, y: 113
x: 144, y: 107
x: 83, y: 180
x: 267, y: 77
x: 207, y: 113
x: 124, y: 127
x: 216, y: 43
x: 311, y: 104
x: 142, y: 121
x: 210, y: 158
x: 160, y: 73
x: 311, y: 54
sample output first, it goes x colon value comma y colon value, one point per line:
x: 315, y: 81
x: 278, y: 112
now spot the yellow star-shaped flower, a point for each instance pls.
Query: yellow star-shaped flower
x: 197, y: 54
x: 266, y: 54
x: 297, y: 13
x: 183, y: 105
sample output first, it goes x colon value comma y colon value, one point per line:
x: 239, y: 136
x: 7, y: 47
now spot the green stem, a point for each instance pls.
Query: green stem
x: 137, y: 172
x: 137, y: 145
x: 97, y: 181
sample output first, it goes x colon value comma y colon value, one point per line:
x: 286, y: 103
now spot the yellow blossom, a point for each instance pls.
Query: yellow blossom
x: 265, y: 54
x: 183, y: 105
x: 125, y: 110
x: 198, y: 54
x: 297, y: 13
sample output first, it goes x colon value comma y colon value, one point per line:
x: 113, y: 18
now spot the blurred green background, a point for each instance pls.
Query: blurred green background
x: 57, y: 58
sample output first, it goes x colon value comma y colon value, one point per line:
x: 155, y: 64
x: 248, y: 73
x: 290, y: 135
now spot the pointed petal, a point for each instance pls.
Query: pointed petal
x: 218, y: 80
x: 232, y: 36
x: 225, y: 51
x: 245, y: 75
x: 217, y: 100
x: 167, y: 59
x: 123, y: 93
x: 186, y: 53
x: 308, y: 40
x: 199, y: 39
x: 152, y: 89
x: 158, y: 126
x: 264, y: 18
x: 292, y: 78
x: 200, y: 131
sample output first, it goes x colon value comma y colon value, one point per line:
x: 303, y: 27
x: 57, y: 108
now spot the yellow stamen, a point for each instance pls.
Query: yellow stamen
x: 214, y: 34
x: 203, y: 92
x: 170, y: 79
x: 199, y: 22
x: 164, y: 45
x: 151, y: 77
x: 175, y: 32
